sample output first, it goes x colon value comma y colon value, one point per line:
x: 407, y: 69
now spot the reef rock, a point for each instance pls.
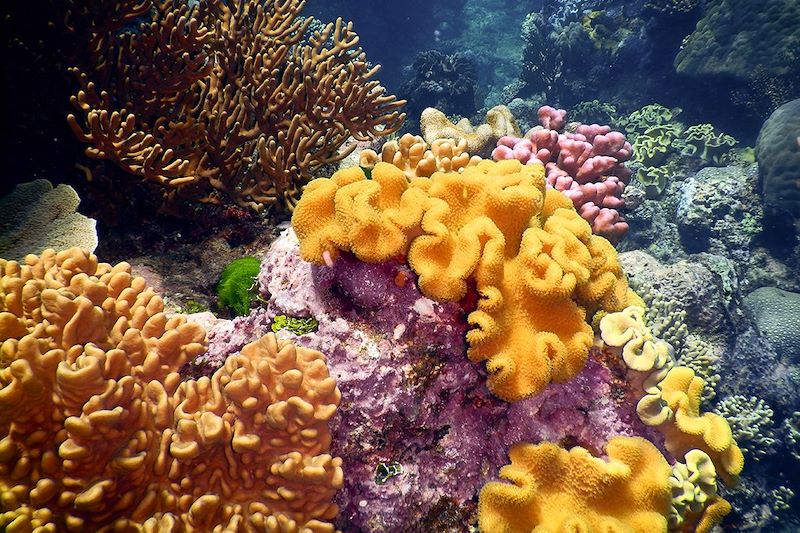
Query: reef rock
x: 417, y: 428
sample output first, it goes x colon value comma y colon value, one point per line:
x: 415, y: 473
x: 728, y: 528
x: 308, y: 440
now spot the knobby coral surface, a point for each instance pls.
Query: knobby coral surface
x: 223, y: 101
x: 533, y: 260
x: 410, y: 397
x: 480, y: 138
x: 588, y: 166
x: 100, y: 433
x: 554, y: 490
x: 411, y: 155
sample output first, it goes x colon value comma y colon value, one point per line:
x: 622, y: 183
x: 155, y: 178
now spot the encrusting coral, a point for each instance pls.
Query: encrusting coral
x: 539, y: 271
x: 100, y: 433
x: 554, y: 490
x: 224, y: 101
x: 480, y: 139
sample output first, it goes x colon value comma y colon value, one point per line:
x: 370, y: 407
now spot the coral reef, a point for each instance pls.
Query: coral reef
x: 480, y: 139
x: 224, y: 101
x: 732, y: 37
x: 588, y: 166
x: 778, y: 150
x: 703, y: 141
x: 777, y: 315
x: 102, y: 434
x: 410, y: 396
x: 553, y: 489
x: 36, y: 216
x: 751, y: 423
x: 444, y: 81
x: 494, y: 225
x: 694, y: 494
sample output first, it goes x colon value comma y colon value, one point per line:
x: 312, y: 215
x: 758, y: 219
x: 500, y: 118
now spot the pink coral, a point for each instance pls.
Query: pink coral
x: 587, y: 165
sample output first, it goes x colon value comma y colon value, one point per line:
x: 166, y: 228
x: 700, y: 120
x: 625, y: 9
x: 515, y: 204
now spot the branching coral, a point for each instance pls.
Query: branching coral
x: 751, y: 423
x: 100, y: 434
x: 411, y: 155
x: 588, y: 166
x: 702, y: 357
x: 535, y: 263
x: 224, y: 101
x: 553, y: 489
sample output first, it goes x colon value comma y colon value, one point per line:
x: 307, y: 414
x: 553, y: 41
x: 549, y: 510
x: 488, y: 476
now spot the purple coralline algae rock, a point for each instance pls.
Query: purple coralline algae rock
x: 417, y: 429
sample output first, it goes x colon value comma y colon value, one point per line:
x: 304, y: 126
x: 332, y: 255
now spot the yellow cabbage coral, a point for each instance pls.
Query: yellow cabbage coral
x: 690, y: 429
x: 100, y: 433
x: 553, y: 490
x: 537, y: 267
x: 695, y: 503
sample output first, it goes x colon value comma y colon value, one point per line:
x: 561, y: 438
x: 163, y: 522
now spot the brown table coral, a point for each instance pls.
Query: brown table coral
x: 100, y: 434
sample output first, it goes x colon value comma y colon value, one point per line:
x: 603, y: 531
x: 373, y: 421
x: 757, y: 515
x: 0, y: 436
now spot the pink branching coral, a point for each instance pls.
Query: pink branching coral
x: 588, y: 166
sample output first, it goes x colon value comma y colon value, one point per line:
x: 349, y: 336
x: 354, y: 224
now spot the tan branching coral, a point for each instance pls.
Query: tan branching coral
x: 224, y: 101
x: 100, y: 433
x: 411, y: 155
x: 480, y: 139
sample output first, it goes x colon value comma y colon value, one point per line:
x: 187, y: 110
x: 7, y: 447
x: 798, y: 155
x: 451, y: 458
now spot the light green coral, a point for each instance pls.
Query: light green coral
x: 791, y: 427
x: 593, y: 112
x: 654, y: 180
x: 672, y: 7
x: 702, y: 357
x: 693, y: 485
x: 298, y: 326
x: 782, y: 497
x: 652, y: 145
x: 666, y: 319
x: 648, y: 116
x: 703, y: 141
x: 751, y: 423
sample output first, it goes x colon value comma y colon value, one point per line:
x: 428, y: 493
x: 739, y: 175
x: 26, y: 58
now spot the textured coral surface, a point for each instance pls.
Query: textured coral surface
x: 552, y: 489
x: 409, y: 394
x: 533, y: 261
x: 100, y: 433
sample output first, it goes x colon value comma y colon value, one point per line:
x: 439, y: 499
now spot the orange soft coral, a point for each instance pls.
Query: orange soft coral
x: 553, y: 490
x: 534, y: 261
x: 100, y: 434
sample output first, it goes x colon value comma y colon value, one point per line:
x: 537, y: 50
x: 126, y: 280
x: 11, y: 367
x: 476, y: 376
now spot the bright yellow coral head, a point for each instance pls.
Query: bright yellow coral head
x: 553, y: 490
x: 539, y: 271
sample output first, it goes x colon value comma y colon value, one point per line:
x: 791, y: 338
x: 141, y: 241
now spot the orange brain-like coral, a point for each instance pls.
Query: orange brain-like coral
x: 100, y: 434
x: 534, y: 261
x: 553, y: 490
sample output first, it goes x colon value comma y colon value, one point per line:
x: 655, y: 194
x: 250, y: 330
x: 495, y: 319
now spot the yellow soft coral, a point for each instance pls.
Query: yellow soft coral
x: 695, y: 504
x: 690, y: 429
x: 673, y: 394
x: 553, y: 490
x: 100, y: 433
x: 538, y: 269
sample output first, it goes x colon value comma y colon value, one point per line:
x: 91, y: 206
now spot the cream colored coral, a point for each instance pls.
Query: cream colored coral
x: 480, y: 140
x: 411, y: 155
x: 101, y: 433
x: 694, y: 494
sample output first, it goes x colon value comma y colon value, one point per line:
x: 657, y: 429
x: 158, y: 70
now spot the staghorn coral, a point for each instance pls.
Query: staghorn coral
x: 553, y: 489
x: 411, y: 155
x: 101, y: 434
x: 587, y: 165
x: 751, y: 424
x: 480, y: 139
x: 538, y: 269
x: 224, y: 101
